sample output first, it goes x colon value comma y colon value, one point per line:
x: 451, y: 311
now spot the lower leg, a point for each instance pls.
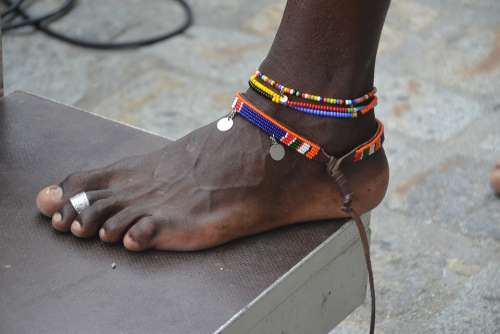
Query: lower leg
x: 328, y: 48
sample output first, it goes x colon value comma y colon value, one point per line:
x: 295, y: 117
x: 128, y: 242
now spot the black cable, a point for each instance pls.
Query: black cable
x: 42, y: 22
x: 47, y: 18
x: 12, y: 8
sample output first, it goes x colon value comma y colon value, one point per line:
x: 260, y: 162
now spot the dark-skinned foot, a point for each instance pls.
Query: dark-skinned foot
x: 211, y: 187
x: 495, y: 178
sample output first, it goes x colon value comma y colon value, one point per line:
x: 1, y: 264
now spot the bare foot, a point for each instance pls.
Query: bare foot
x: 206, y: 189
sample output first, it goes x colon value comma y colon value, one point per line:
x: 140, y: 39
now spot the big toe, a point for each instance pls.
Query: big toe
x: 49, y: 200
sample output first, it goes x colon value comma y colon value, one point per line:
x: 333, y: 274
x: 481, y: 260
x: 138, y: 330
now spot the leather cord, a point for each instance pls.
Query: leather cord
x: 346, y: 192
x: 366, y: 250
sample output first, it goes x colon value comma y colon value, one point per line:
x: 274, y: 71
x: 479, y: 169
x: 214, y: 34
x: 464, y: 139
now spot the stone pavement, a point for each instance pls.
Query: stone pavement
x: 436, y: 240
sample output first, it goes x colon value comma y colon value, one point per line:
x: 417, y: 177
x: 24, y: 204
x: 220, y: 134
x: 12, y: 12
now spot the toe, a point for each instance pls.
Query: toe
x: 49, y: 200
x: 116, y: 226
x: 62, y: 219
x: 91, y: 219
x: 52, y: 198
x: 56, y: 222
x: 141, y: 235
x: 69, y: 215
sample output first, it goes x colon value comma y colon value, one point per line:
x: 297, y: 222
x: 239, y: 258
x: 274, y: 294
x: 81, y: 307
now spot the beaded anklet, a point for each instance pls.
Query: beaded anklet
x: 294, y: 141
x: 309, y: 108
x: 279, y: 132
x: 306, y: 96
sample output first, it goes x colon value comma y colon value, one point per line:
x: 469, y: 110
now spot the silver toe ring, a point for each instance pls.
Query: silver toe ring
x: 80, y: 202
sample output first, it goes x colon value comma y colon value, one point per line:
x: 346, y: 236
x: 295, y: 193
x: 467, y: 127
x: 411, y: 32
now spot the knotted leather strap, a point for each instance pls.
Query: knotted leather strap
x: 346, y: 192
x: 366, y: 250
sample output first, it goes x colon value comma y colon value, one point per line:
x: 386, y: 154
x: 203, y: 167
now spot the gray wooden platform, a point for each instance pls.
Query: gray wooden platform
x: 300, y: 279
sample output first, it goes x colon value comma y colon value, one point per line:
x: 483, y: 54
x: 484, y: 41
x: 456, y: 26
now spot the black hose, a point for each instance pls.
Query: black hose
x: 42, y: 22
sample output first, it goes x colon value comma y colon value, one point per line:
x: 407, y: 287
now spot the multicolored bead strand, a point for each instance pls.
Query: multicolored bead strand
x: 330, y: 100
x: 310, y: 108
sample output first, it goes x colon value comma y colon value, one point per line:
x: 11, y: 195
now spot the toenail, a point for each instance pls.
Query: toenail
x: 131, y: 237
x: 76, y: 227
x: 102, y: 233
x: 55, y: 191
x: 56, y: 218
x: 130, y: 243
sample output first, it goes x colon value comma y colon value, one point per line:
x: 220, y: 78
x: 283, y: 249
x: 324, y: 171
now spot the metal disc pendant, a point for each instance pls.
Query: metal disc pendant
x: 283, y: 99
x: 277, y: 152
x: 224, y: 124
